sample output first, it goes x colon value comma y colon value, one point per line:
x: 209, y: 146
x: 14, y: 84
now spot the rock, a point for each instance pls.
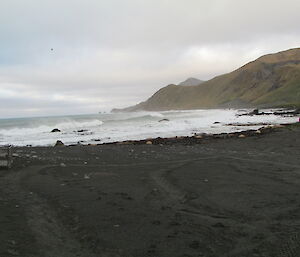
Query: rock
x: 217, y: 122
x: 258, y: 132
x: 163, y: 120
x: 149, y: 143
x: 82, y: 130
x: 254, y: 112
x: 242, y: 136
x: 13, y: 252
x: 59, y: 143
x: 198, y: 137
x: 55, y: 130
x: 86, y: 176
x: 63, y: 165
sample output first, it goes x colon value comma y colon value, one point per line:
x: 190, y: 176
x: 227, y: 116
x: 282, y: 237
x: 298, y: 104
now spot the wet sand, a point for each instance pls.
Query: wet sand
x: 211, y: 196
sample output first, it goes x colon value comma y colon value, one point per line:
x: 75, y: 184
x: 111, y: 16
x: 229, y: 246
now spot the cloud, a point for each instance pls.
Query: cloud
x: 119, y: 52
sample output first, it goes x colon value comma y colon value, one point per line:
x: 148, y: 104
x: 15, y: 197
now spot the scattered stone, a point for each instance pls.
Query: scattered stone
x: 59, y: 143
x: 12, y: 242
x: 149, y: 143
x: 86, y: 176
x: 13, y: 252
x: 55, y: 130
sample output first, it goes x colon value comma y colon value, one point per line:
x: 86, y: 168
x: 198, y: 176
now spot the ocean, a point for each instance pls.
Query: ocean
x: 111, y: 127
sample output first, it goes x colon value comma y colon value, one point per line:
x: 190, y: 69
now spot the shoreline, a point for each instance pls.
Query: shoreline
x: 139, y: 127
x: 175, y: 197
x: 196, y: 138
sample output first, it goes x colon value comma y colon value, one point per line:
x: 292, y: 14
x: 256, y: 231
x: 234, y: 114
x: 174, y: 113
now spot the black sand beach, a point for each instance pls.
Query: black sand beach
x: 226, y: 196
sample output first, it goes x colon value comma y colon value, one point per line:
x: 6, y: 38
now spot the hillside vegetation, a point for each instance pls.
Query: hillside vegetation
x: 270, y: 81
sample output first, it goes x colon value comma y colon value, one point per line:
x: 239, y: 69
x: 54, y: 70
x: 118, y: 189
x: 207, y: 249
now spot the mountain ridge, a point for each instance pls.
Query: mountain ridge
x: 272, y: 80
x: 191, y: 82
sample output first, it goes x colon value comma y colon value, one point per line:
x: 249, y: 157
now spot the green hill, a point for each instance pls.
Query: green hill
x: 270, y: 81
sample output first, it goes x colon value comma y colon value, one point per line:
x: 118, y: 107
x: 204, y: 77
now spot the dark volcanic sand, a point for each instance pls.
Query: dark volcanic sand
x: 220, y: 197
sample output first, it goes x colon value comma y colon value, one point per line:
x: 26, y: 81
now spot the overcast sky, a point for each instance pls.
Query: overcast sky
x: 115, y: 53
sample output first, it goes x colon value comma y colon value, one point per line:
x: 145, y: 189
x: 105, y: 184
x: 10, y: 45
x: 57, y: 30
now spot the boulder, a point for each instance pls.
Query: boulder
x: 82, y: 130
x: 55, y: 130
x: 254, y: 112
x: 162, y: 120
x: 59, y: 143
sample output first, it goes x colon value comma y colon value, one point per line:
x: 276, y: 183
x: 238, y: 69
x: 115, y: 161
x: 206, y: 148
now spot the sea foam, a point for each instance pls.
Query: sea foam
x: 127, y: 126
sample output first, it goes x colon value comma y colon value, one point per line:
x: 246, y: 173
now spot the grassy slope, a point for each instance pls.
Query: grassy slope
x: 271, y: 80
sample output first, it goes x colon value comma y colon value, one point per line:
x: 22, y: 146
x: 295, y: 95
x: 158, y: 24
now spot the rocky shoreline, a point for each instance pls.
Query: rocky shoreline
x: 201, y: 137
